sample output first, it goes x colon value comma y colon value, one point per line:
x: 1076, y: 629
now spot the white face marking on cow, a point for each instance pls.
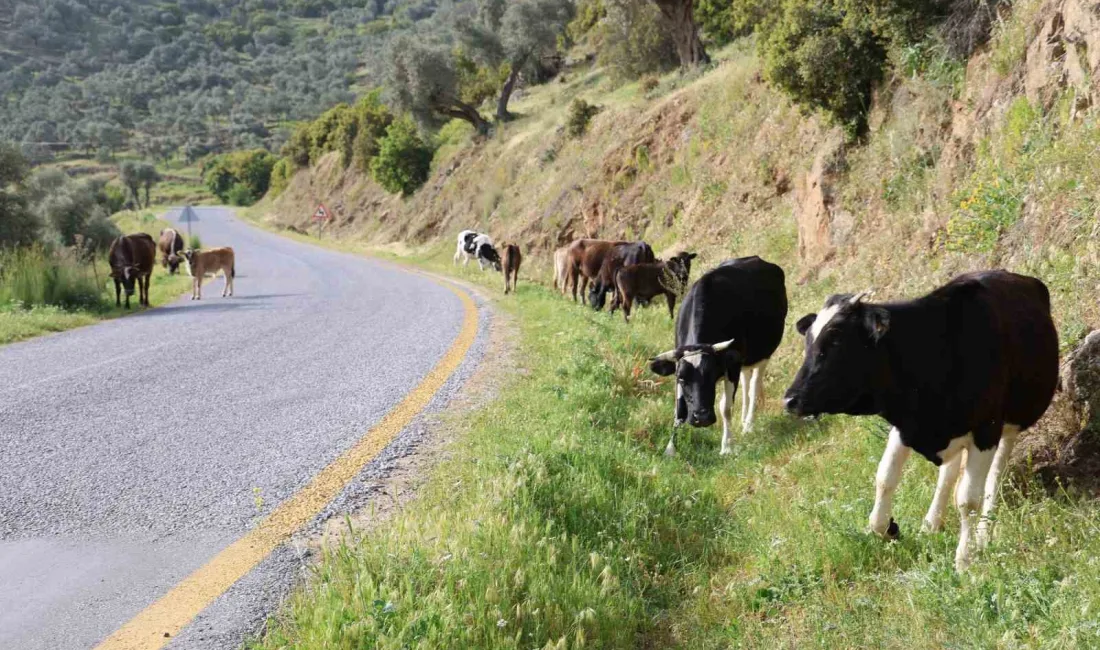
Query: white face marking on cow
x: 823, y: 319
x: 693, y: 358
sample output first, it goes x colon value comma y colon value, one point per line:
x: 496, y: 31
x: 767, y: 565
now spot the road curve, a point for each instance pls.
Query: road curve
x: 133, y: 451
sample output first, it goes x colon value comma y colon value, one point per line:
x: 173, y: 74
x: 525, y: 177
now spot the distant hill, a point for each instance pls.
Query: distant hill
x: 190, y: 76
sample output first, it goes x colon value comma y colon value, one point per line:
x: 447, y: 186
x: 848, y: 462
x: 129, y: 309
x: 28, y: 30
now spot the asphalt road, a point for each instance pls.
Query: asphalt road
x: 134, y: 450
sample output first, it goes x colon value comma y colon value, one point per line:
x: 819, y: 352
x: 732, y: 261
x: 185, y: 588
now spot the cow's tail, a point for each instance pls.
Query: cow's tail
x: 233, y: 270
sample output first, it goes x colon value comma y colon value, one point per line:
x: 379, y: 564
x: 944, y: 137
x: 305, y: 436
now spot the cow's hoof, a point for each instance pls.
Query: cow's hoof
x: 928, y: 526
x: 725, y: 451
x: 892, y: 531
x: 670, y: 451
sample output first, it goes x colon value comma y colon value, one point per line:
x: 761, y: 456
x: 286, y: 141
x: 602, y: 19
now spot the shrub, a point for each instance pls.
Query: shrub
x: 334, y: 130
x: 240, y: 194
x: 297, y: 147
x: 825, y: 60
x: 34, y: 276
x: 724, y: 20
x: 580, y: 114
x: 403, y: 159
x: 649, y: 83
x: 373, y: 118
x: 250, y: 169
x: 194, y: 243
x: 281, y: 174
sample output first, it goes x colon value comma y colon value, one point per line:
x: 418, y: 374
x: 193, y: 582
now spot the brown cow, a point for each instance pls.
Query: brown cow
x: 211, y: 261
x: 647, y: 281
x: 132, y: 258
x: 170, y: 245
x: 561, y: 269
x: 621, y: 255
x: 585, y: 259
x: 510, y: 265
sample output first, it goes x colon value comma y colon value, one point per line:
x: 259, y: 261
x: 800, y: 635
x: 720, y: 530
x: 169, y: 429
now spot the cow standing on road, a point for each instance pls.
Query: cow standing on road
x: 211, y: 261
x: 170, y: 245
x: 131, y: 258
x: 729, y: 326
x: 512, y: 259
x: 967, y: 367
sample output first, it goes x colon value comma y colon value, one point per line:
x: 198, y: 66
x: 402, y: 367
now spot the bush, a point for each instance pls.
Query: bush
x: 825, y: 60
x: 281, y: 174
x: 296, y: 149
x: 580, y: 114
x: 33, y: 276
x: 239, y: 194
x: 194, y: 243
x: 334, y: 130
x: 249, y: 169
x: 724, y: 20
x: 650, y: 82
x: 374, y: 119
x: 403, y: 159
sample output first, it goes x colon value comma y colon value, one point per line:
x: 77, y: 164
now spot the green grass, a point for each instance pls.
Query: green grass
x: 557, y: 523
x: 40, y: 293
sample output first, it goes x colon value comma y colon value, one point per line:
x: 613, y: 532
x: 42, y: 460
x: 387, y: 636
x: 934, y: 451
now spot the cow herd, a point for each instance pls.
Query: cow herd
x: 958, y: 373
x: 131, y: 258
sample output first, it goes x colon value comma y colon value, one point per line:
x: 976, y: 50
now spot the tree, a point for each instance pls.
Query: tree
x: 681, y: 17
x: 518, y: 34
x: 130, y: 176
x: 149, y: 176
x: 422, y: 80
x: 18, y: 226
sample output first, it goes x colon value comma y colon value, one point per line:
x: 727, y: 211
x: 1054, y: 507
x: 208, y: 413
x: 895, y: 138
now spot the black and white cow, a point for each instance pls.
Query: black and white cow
x: 730, y: 324
x: 967, y: 367
x: 479, y: 246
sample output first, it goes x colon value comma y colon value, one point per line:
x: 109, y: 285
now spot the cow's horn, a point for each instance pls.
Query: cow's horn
x: 719, y: 347
x: 861, y: 295
x: 671, y: 355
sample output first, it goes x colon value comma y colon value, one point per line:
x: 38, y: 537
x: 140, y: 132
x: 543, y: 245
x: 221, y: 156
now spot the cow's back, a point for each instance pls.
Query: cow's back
x: 1008, y: 315
x: 743, y: 299
x: 144, y: 250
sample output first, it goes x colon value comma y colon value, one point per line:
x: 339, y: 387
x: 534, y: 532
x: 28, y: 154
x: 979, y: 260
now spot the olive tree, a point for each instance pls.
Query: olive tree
x: 516, y: 33
x: 422, y: 80
x: 685, y: 32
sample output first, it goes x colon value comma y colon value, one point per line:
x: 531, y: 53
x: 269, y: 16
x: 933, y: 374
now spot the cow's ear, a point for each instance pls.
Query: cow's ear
x: 804, y: 323
x: 662, y: 367
x: 877, y: 321
x: 692, y: 256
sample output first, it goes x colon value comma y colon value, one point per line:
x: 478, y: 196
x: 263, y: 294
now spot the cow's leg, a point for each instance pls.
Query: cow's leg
x: 968, y: 498
x: 886, y: 482
x: 671, y: 299
x: 746, y: 375
x: 949, y: 476
x: 670, y: 448
x: 993, y: 480
x: 118, y: 293
x: 628, y: 302
x: 584, y: 289
x: 754, y: 393
x: 729, y: 392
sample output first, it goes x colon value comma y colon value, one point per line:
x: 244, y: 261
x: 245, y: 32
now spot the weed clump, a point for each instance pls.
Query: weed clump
x: 580, y: 114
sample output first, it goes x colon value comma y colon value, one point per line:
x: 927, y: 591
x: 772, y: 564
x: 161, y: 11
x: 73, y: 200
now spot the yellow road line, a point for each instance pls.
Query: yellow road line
x: 157, y: 624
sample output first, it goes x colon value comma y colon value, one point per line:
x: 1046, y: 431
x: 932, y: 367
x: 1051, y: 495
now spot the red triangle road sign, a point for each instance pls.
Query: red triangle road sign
x: 321, y: 214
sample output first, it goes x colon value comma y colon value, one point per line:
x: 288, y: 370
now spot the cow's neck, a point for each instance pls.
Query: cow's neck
x: 912, y: 347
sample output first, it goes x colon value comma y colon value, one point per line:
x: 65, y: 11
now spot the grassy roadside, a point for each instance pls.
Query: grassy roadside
x: 17, y: 324
x: 557, y: 523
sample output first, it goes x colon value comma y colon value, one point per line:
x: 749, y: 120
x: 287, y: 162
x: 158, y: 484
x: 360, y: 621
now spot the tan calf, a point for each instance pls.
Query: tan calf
x: 211, y: 261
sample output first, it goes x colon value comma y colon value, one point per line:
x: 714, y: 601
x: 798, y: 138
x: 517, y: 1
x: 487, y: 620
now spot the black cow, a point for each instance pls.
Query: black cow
x: 969, y: 366
x: 621, y: 256
x: 730, y: 324
x: 131, y: 258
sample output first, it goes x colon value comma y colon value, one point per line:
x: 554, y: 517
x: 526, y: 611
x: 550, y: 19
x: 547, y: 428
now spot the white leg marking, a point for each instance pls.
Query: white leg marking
x: 968, y: 496
x: 755, y: 393
x: 670, y: 448
x: 729, y: 390
x: 746, y: 376
x: 949, y: 475
x: 992, y: 482
x: 886, y: 481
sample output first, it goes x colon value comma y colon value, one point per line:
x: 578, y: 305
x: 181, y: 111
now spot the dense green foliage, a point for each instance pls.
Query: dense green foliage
x: 403, y: 159
x: 724, y: 20
x: 189, y: 77
x: 241, y: 177
x: 580, y: 114
x: 634, y: 39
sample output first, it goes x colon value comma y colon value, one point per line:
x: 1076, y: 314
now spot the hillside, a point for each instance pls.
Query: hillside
x: 188, y: 77
x: 964, y: 167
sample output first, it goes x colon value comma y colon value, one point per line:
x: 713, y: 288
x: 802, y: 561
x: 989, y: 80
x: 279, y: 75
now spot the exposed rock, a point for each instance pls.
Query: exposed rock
x: 1080, y: 376
x: 814, y: 202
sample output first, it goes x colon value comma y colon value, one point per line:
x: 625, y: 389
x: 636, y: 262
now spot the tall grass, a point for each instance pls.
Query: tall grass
x: 35, y: 276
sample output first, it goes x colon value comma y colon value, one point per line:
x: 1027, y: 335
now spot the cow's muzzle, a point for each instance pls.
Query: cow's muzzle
x: 703, y: 418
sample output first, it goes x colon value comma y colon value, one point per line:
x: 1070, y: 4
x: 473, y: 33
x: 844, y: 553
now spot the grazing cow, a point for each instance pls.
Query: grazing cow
x: 966, y: 367
x: 620, y: 256
x: 132, y: 258
x: 510, y: 264
x: 729, y: 326
x: 561, y: 269
x: 585, y: 260
x: 211, y: 261
x: 170, y: 245
x: 647, y: 281
x: 479, y: 246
